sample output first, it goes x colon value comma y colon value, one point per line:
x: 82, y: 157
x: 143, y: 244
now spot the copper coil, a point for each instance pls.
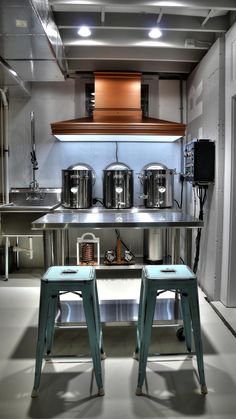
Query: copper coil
x: 87, y: 250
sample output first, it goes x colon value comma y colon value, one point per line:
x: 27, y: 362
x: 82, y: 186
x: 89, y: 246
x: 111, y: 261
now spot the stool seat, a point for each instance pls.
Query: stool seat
x: 168, y: 277
x: 61, y: 279
x: 168, y: 272
x: 69, y: 273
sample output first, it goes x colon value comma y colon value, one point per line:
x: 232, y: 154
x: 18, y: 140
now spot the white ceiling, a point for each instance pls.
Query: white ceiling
x: 120, y: 41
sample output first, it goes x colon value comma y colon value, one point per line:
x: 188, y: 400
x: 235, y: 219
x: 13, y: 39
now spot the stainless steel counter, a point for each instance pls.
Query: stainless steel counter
x: 56, y: 224
x: 133, y: 218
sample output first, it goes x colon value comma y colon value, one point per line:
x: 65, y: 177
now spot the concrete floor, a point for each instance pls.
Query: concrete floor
x: 67, y: 386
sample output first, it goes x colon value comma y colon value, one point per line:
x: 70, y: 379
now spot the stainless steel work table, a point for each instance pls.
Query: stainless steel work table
x: 55, y: 224
x: 135, y: 217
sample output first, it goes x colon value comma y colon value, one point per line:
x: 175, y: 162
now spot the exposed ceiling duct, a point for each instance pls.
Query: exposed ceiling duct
x: 11, y: 81
x: 117, y: 112
x: 30, y: 45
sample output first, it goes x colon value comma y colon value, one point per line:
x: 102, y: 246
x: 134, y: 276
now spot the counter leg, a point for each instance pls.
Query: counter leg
x: 17, y: 254
x: 63, y: 246
x: 173, y: 230
x: 58, y: 247
x: 175, y: 246
x: 6, y: 258
x: 188, y: 247
x: 47, y: 249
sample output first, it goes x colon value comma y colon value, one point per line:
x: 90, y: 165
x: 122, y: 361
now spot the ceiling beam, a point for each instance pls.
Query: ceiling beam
x: 143, y: 66
x: 144, y: 5
x: 138, y: 53
x: 135, y: 39
x: 68, y: 20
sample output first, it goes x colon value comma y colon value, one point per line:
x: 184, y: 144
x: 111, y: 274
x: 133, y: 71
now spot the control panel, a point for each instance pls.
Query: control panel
x: 200, y: 162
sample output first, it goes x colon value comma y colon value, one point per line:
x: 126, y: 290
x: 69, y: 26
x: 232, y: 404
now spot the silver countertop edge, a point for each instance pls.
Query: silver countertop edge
x: 118, y: 219
x: 43, y: 210
x: 58, y: 209
x: 27, y: 208
x: 55, y: 226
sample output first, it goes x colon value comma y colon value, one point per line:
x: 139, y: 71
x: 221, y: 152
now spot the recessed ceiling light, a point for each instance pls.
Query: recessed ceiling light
x: 155, y: 33
x: 84, y: 31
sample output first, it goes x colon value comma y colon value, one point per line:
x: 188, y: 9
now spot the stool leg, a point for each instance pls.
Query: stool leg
x: 98, y: 323
x: 148, y: 308
x: 51, y: 323
x: 90, y: 315
x: 42, y: 325
x: 140, y: 319
x: 195, y: 315
x: 186, y: 320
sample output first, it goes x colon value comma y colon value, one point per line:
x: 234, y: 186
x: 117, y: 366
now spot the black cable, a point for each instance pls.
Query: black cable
x: 178, y: 205
x: 195, y: 201
x: 181, y: 196
x: 95, y: 200
x: 202, y: 199
x: 117, y: 152
x: 126, y: 247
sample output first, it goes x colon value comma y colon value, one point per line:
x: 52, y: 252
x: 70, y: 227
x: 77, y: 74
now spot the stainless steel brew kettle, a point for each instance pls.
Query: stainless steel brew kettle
x: 77, y: 185
x: 118, y: 186
x: 158, y: 183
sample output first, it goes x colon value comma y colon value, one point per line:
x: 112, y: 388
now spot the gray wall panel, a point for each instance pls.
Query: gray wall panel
x: 205, y: 116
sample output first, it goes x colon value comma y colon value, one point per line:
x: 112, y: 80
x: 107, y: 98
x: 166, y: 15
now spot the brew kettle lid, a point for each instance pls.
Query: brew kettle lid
x: 155, y: 166
x: 82, y: 166
x: 117, y: 166
x: 79, y: 166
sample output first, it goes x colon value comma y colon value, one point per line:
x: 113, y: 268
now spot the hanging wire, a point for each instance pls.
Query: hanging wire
x: 179, y: 205
x: 194, y: 202
x: 100, y: 200
x: 117, y: 152
x: 202, y: 195
x: 119, y: 238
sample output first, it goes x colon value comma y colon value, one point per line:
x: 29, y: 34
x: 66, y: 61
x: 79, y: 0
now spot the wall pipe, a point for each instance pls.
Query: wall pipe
x: 6, y: 144
x: 1, y: 157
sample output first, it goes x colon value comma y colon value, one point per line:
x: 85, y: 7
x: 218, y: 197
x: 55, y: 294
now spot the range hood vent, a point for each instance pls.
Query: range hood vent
x: 117, y: 114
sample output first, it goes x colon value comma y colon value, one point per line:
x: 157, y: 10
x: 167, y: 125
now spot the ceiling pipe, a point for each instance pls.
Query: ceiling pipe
x: 160, y: 16
x: 5, y: 145
x: 210, y: 14
x: 103, y: 15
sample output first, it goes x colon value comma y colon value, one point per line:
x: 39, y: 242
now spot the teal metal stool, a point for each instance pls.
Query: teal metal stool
x: 79, y: 280
x: 168, y: 277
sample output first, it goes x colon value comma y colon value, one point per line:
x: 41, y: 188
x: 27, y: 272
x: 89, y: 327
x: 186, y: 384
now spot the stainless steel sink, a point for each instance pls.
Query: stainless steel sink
x: 26, y: 199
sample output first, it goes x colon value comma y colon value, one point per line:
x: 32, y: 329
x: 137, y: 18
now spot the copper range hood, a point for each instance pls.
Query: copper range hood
x: 117, y: 112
